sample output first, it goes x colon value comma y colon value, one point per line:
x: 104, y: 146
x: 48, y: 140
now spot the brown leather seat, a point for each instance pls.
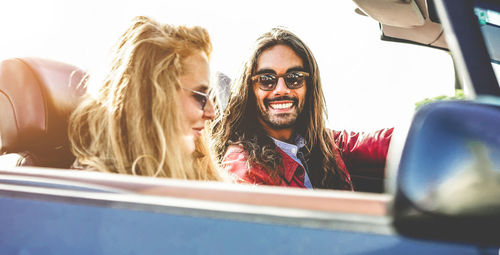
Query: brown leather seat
x: 36, y: 98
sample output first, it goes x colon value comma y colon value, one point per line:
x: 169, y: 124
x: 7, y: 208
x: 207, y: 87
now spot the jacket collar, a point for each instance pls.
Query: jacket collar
x: 289, y: 165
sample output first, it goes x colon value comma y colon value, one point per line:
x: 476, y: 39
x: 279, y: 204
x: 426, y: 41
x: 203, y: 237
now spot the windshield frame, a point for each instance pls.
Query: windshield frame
x: 467, y: 44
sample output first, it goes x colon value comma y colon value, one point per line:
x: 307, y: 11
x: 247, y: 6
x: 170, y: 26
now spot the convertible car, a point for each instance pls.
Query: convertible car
x: 438, y: 193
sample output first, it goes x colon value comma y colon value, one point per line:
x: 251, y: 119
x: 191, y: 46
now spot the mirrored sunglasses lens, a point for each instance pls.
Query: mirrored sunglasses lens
x: 294, y: 82
x: 267, y: 82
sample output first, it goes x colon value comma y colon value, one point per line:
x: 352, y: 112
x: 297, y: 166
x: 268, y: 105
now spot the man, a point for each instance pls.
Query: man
x: 273, y: 129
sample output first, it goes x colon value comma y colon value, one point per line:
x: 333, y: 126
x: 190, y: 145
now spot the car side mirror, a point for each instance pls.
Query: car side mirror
x: 448, y: 181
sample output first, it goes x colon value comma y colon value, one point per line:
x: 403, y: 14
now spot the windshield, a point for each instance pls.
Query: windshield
x: 369, y: 84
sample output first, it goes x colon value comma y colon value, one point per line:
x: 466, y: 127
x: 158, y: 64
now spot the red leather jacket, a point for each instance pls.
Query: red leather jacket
x: 356, y: 151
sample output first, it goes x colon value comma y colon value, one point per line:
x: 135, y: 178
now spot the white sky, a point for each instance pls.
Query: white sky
x: 368, y: 83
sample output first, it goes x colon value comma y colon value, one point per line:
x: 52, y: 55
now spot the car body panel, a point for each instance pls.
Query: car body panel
x: 40, y: 217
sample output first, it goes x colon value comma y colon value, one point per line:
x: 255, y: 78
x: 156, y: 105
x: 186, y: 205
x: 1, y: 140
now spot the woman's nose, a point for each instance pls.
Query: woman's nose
x: 209, y: 110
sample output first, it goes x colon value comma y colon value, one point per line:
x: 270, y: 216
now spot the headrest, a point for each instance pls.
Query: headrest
x: 223, y: 89
x: 36, y: 98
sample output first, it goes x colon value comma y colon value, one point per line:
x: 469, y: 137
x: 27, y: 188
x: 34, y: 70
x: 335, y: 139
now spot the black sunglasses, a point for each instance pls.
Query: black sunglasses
x: 268, y: 81
x: 201, y: 97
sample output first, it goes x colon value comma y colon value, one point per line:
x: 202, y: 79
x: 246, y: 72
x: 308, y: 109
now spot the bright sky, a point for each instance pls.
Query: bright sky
x: 368, y: 83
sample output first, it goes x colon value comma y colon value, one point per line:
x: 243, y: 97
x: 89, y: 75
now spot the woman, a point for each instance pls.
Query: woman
x: 149, y: 112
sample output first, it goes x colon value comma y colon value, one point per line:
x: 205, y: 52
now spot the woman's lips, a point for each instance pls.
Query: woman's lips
x: 197, y: 131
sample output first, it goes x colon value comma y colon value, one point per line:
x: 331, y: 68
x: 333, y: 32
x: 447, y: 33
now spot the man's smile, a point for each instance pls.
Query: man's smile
x: 281, y: 106
x: 282, y: 103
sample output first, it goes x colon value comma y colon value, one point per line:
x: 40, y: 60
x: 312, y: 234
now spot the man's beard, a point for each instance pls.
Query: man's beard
x: 283, y: 120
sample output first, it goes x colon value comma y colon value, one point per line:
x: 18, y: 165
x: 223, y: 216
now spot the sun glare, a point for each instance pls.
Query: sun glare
x: 368, y: 83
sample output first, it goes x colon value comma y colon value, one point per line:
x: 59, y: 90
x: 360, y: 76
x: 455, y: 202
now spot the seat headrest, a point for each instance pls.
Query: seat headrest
x: 36, y: 98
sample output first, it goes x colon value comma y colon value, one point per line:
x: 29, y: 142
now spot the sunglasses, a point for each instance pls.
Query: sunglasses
x: 200, y: 97
x: 268, y: 81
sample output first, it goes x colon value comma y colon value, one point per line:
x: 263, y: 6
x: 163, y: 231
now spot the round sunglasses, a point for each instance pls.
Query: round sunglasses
x: 268, y: 81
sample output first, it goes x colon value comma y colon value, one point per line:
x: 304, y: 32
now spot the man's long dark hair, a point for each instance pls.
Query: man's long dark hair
x: 239, y: 124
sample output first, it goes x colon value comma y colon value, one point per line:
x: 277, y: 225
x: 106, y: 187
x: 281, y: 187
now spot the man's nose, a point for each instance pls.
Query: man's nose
x: 209, y: 111
x: 281, y: 87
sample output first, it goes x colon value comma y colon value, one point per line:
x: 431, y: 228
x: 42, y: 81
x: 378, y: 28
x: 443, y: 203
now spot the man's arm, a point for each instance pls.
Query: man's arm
x: 364, y: 151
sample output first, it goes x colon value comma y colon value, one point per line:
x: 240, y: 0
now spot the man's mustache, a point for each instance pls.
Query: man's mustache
x: 269, y: 100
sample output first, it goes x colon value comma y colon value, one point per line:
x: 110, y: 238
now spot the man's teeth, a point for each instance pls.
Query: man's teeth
x: 281, y: 106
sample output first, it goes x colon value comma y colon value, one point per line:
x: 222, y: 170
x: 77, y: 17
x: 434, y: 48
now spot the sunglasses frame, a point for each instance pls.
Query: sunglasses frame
x: 256, y: 77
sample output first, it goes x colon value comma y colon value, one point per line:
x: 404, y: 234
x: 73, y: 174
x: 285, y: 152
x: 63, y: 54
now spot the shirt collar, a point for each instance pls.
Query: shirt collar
x: 291, y: 148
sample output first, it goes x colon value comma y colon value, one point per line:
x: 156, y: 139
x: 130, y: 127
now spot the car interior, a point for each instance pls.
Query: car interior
x: 413, y: 22
x: 445, y: 167
x: 38, y: 95
x: 36, y: 98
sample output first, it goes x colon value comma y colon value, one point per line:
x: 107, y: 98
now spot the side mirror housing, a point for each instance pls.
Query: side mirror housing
x: 448, y: 182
